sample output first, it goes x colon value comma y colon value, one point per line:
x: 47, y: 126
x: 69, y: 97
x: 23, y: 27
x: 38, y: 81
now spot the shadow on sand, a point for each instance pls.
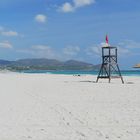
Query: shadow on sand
x: 88, y: 81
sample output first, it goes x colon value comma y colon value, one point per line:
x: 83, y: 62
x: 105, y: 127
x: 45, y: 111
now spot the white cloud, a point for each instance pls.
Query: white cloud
x: 67, y: 7
x: 1, y: 28
x: 39, y: 51
x: 6, y: 45
x: 41, y: 47
x: 123, y: 51
x: 70, y: 7
x: 71, y: 50
x: 81, y: 3
x: 41, y: 18
x: 130, y: 44
x: 128, y: 47
x: 94, y: 50
x: 25, y: 51
x: 9, y: 33
x: 43, y: 51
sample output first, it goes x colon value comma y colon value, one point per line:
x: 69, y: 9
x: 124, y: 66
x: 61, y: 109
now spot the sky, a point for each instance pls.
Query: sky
x: 70, y: 29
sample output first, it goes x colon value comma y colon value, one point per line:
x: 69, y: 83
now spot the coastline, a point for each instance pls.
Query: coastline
x: 71, y: 72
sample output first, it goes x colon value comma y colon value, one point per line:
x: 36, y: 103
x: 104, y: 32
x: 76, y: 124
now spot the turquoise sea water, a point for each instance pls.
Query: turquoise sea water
x: 125, y: 72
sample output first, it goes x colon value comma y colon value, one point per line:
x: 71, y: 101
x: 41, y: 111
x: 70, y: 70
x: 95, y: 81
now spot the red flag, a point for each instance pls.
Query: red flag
x: 106, y: 39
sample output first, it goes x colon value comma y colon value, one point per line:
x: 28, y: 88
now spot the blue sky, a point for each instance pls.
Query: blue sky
x: 69, y: 29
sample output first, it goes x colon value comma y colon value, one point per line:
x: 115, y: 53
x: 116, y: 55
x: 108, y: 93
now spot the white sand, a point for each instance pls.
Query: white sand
x: 59, y: 107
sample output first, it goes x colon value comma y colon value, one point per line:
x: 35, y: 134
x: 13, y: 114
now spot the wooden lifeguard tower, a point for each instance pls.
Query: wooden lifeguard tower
x: 109, y: 68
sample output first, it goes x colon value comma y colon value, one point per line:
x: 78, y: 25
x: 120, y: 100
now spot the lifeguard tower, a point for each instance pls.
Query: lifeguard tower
x: 109, y: 68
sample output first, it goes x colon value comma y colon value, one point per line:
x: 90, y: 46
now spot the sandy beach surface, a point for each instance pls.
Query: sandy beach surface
x: 67, y: 107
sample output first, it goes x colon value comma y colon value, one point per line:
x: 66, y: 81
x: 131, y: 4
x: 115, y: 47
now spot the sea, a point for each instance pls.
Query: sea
x: 75, y: 72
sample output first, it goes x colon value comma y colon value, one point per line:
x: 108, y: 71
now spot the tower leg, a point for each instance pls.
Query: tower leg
x: 109, y: 70
x: 99, y: 73
x: 120, y: 74
x: 97, y: 80
x: 109, y: 79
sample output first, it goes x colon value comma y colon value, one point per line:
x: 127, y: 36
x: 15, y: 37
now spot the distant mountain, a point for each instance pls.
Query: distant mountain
x: 38, y: 62
x: 46, y: 64
x: 4, y: 62
x: 77, y: 65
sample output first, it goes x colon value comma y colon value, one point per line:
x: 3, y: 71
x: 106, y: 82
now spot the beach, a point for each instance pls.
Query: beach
x: 68, y: 107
